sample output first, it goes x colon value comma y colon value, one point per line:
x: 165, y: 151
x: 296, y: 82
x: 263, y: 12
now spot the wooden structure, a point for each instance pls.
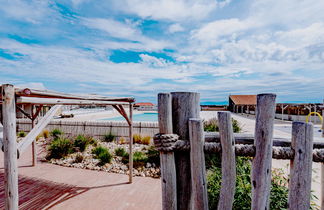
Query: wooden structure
x: 11, y: 97
x: 182, y: 144
x: 241, y: 103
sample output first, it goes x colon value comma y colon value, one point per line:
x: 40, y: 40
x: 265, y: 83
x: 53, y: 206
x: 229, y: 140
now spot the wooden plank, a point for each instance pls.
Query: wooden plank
x: 197, y: 166
x: 56, y: 101
x: 130, y: 143
x: 10, y: 147
x: 301, y: 166
x: 24, y: 112
x: 185, y: 105
x: 34, y: 152
x: 22, y: 146
x: 168, y: 169
x: 227, y: 191
x: 322, y: 169
x: 261, y: 164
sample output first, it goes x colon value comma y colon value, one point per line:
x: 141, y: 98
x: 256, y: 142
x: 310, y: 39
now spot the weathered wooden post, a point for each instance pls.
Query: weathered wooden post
x: 198, y: 168
x: 185, y: 105
x: 261, y: 164
x: 30, y: 110
x: 168, y: 170
x: 130, y: 178
x: 227, y: 191
x: 322, y: 169
x: 10, y: 147
x: 301, y: 166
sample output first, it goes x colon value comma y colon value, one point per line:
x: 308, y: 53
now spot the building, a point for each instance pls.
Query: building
x: 242, y: 103
x: 145, y: 106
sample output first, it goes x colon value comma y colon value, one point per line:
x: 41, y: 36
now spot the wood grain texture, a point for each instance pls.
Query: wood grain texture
x: 130, y: 143
x: 301, y: 166
x: 261, y: 164
x: 168, y: 169
x: 185, y: 105
x: 227, y: 191
x: 198, y: 168
x: 322, y: 170
x: 10, y: 147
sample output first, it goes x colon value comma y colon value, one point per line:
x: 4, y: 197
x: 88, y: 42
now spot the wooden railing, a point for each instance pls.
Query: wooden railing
x: 183, y: 144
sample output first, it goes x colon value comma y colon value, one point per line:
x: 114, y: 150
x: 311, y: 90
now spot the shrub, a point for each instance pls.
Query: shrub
x: 211, y: 125
x: 60, y: 147
x: 78, y: 158
x: 109, y: 137
x: 125, y: 158
x: 120, y: 152
x: 153, y: 155
x: 146, y: 140
x: 56, y: 133
x: 236, y: 126
x: 21, y: 134
x: 137, y: 138
x: 139, y: 159
x: 45, y: 133
x: 81, y: 142
x: 102, y: 154
x: 122, y: 140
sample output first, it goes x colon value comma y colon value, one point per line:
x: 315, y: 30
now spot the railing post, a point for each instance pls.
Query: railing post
x: 198, y: 169
x: 10, y: 147
x: 168, y: 170
x: 322, y: 169
x: 301, y: 166
x: 261, y: 164
x: 185, y: 105
x: 227, y: 191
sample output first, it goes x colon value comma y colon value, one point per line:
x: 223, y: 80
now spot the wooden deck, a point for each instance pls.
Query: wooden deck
x: 48, y: 186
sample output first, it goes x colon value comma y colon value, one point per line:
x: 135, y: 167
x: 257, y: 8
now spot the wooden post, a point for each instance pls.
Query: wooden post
x: 198, y: 168
x: 322, y: 169
x: 10, y: 147
x: 261, y: 164
x: 227, y: 191
x: 34, y: 152
x: 168, y: 170
x: 130, y: 143
x: 185, y: 105
x: 301, y: 166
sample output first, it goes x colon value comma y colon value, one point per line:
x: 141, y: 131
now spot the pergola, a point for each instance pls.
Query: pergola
x: 11, y: 97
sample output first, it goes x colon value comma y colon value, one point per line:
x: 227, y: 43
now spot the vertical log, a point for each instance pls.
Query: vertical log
x: 198, y: 169
x: 301, y: 166
x: 168, y: 170
x: 185, y: 105
x: 34, y: 152
x: 10, y: 147
x: 130, y: 142
x: 322, y: 169
x: 227, y: 191
x: 261, y: 164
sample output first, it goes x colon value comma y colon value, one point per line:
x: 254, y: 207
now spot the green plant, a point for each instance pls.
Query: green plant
x: 211, y: 125
x: 21, y: 134
x: 146, y: 140
x: 120, y: 152
x: 60, y: 147
x: 236, y: 126
x: 56, y: 133
x: 137, y: 138
x: 81, y: 142
x: 139, y: 159
x: 78, y: 158
x: 109, y: 137
x: 102, y: 154
x: 153, y: 156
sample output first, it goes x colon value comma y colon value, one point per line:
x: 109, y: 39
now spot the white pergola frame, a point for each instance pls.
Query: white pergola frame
x: 11, y: 97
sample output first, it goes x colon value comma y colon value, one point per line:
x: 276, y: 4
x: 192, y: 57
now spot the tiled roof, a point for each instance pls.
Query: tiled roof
x: 243, y: 99
x: 144, y: 104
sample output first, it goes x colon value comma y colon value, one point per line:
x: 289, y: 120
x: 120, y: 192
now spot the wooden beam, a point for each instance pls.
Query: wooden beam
x: 130, y: 143
x: 23, y: 145
x: 121, y: 111
x: 25, y: 113
x: 35, y: 115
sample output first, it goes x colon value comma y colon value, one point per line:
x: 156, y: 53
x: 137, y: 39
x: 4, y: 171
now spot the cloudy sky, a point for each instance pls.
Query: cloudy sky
x: 142, y: 47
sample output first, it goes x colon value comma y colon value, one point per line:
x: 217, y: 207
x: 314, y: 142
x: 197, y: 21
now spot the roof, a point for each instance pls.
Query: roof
x: 243, y: 99
x: 144, y: 104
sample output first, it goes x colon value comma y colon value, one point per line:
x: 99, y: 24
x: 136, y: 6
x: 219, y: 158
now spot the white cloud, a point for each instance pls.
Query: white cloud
x: 153, y: 61
x: 175, y: 28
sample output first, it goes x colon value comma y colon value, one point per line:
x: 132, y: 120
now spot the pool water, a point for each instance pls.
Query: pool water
x: 144, y: 117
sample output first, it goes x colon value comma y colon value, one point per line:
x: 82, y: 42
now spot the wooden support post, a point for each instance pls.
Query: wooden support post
x: 168, y: 170
x: 10, y: 147
x: 198, y: 168
x: 301, y: 166
x: 261, y: 164
x: 227, y: 191
x: 322, y: 169
x: 185, y: 105
x: 130, y: 143
x: 34, y: 152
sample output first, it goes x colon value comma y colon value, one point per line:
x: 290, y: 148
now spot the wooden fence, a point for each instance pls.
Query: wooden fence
x: 182, y: 145
x: 95, y: 128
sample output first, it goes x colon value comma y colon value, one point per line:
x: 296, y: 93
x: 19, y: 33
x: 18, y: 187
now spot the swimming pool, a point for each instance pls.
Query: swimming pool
x: 144, y: 117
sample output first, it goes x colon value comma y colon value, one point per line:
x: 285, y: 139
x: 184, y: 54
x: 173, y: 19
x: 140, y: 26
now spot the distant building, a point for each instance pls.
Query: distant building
x: 145, y: 106
x: 242, y: 103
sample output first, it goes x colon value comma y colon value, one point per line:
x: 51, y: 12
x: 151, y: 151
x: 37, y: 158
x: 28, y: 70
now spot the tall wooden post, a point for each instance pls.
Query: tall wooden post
x: 10, y: 147
x: 322, y: 169
x: 185, y: 105
x: 34, y: 151
x: 130, y: 143
x: 168, y: 169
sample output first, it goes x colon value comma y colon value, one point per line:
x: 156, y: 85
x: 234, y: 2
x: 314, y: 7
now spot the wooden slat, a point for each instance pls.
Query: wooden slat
x: 301, y: 166
x: 197, y: 166
x: 168, y: 169
x: 261, y: 164
x: 227, y: 191
x: 54, y: 101
x: 22, y: 146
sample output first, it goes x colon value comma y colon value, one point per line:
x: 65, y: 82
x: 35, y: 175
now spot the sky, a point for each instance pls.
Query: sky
x: 142, y: 47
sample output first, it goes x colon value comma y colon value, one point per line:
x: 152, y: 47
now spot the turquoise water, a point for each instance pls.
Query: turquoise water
x: 144, y: 117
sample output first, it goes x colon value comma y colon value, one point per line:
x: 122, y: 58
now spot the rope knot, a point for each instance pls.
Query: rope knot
x: 165, y: 142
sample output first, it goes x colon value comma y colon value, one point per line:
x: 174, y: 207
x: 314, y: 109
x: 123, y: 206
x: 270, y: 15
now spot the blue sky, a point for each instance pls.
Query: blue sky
x: 142, y: 47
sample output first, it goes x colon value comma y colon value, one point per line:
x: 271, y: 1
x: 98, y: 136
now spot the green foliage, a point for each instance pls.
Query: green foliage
x: 139, y: 159
x: 236, y: 126
x: 81, y: 142
x: 59, y: 148
x: 120, y: 152
x: 109, y: 137
x: 56, y: 133
x: 102, y: 154
x: 125, y: 158
x: 78, y: 158
x: 21, y: 134
x: 153, y: 156
x: 211, y: 125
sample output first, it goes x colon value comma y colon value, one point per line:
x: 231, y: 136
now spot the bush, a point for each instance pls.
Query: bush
x: 153, y: 156
x: 211, y: 125
x: 236, y: 126
x: 109, y: 137
x: 21, y: 134
x: 122, y: 140
x: 56, y: 133
x: 45, y: 133
x: 78, y: 158
x: 125, y: 158
x: 102, y: 154
x: 146, y: 140
x: 120, y: 152
x: 139, y: 159
x: 137, y: 138
x: 60, y: 147
x: 81, y: 142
